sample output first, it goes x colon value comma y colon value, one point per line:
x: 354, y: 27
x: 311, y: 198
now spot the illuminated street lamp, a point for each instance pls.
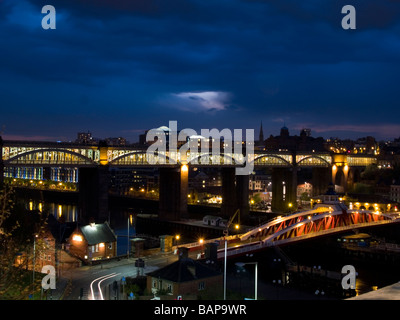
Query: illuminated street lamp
x: 130, y: 220
x: 33, y: 266
x: 241, y: 265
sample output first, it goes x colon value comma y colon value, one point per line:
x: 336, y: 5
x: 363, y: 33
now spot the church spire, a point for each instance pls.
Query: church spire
x: 261, y: 136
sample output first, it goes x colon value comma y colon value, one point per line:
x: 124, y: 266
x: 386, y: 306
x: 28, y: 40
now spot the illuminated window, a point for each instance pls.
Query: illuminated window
x: 77, y: 237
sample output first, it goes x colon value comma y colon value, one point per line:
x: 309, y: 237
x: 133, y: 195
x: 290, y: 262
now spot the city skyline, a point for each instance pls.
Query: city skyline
x: 117, y: 69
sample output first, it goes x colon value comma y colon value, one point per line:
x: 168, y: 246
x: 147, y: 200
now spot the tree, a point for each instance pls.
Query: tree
x: 17, y: 230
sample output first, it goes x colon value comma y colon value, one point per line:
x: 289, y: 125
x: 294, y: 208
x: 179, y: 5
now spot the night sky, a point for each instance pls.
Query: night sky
x: 117, y: 68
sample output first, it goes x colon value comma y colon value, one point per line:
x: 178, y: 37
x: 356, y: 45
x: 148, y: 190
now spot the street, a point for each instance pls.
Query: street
x: 90, y: 278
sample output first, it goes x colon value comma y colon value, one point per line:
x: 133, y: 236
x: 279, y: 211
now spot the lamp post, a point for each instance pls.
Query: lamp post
x: 241, y: 265
x: 33, y: 266
x: 129, y: 223
x: 225, y: 256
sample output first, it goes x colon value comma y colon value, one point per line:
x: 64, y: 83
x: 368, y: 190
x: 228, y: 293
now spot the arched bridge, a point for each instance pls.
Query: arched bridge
x: 37, y: 154
x: 88, y: 165
x: 323, y: 220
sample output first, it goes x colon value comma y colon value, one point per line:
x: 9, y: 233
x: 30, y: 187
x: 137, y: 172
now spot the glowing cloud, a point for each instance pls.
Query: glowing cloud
x: 201, y: 101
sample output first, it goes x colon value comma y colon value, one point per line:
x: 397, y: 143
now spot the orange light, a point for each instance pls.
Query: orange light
x: 101, y: 245
x: 201, y: 241
x: 185, y: 168
x: 77, y: 237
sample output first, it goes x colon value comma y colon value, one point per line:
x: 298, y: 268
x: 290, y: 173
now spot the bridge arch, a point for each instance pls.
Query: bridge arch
x: 271, y: 160
x: 214, y: 159
x: 313, y: 160
x: 320, y: 220
x: 49, y: 156
x: 142, y: 157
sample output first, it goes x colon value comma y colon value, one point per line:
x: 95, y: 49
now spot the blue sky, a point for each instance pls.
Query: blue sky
x: 118, y: 68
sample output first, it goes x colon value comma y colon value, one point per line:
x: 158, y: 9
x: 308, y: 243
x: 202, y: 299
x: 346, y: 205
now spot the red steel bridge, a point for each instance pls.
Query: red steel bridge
x: 324, y: 219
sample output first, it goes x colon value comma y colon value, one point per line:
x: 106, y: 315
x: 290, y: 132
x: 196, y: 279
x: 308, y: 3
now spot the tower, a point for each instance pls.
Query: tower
x: 261, y: 136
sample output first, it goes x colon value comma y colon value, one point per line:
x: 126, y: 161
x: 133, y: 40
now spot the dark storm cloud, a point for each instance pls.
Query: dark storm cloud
x: 143, y: 62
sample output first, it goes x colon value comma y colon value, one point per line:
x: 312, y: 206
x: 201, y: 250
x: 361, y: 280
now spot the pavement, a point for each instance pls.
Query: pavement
x: 391, y: 292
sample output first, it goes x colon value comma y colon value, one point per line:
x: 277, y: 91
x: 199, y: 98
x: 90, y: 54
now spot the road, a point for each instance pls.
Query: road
x: 91, y: 278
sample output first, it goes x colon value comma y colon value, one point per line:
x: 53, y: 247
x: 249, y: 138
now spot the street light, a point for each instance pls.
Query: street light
x: 225, y: 258
x: 241, y: 265
x: 129, y: 224
x: 33, y: 266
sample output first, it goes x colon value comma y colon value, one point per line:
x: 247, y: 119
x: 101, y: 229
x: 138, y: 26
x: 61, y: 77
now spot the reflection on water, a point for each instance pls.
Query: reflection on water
x: 375, y: 277
x: 68, y: 212
x: 121, y: 221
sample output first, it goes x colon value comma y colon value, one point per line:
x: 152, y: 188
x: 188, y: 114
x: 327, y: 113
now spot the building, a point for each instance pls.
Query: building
x: 286, y: 142
x: 305, y: 188
x: 49, y: 249
x: 395, y: 192
x: 259, y: 182
x: 93, y: 242
x: 185, y: 277
x: 130, y: 180
x: 119, y: 141
x: 42, y: 253
x: 85, y: 138
x: 214, y: 221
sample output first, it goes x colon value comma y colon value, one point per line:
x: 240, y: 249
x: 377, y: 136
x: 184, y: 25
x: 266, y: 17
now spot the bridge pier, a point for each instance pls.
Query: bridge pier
x: 228, y: 206
x: 340, y: 175
x: 173, y: 190
x: 235, y: 193
x: 242, y: 194
x: 93, y: 193
x: 320, y: 179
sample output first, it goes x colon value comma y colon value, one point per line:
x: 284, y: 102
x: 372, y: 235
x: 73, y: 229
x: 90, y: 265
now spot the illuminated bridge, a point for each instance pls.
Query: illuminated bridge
x: 39, y: 154
x: 88, y: 166
x: 324, y: 220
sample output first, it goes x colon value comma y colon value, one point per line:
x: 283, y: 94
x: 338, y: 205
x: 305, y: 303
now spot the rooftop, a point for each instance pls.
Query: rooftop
x: 97, y: 233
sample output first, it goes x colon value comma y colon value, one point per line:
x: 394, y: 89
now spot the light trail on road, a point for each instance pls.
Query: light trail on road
x: 101, y: 279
